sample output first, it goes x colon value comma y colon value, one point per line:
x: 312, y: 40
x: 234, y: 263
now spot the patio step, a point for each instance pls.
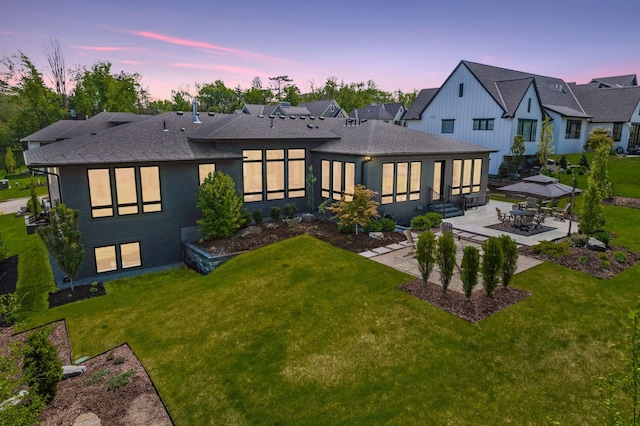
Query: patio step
x: 449, y: 209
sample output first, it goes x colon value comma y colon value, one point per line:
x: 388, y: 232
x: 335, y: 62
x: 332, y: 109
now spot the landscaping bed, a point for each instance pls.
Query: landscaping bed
x: 66, y: 295
x: 264, y: 234
x: 134, y: 403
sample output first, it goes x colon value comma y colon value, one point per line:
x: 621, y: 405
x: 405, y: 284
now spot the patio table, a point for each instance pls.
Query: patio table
x: 518, y: 215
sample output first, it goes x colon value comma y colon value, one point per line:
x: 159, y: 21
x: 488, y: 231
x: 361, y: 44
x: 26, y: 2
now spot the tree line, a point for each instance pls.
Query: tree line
x: 33, y: 98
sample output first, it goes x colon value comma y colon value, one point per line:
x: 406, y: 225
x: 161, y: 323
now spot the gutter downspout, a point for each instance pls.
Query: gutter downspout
x: 44, y: 170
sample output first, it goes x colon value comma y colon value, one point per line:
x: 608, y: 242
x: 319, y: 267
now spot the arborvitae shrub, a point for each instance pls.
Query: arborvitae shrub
x: 470, y: 269
x: 492, y: 262
x: 42, y: 367
x: 446, y: 257
x: 510, y: 253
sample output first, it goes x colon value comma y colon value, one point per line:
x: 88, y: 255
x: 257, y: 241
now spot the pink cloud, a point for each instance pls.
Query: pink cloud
x: 132, y: 62
x: 228, y: 68
x: 10, y: 33
x: 100, y: 48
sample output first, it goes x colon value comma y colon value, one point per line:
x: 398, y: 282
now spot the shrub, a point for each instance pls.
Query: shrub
x: 555, y: 250
x: 583, y: 162
x: 446, y: 258
x: 257, y: 216
x: 118, y: 360
x: 221, y: 206
x: 373, y: 226
x: 120, y: 380
x: 603, y: 256
x: 289, y: 210
x: 425, y: 254
x: 605, y: 263
x: 246, y: 218
x: 503, y: 170
x: 620, y: 256
x: 578, y: 240
x: 584, y: 259
x: 97, y: 377
x: 360, y: 210
x: 426, y: 221
x: 275, y: 213
x: 323, y: 213
x: 345, y: 228
x: 42, y: 367
x: 9, y: 307
x: 492, y: 262
x: 388, y: 224
x: 603, y: 237
x: 563, y: 161
x: 510, y: 253
x: 470, y: 268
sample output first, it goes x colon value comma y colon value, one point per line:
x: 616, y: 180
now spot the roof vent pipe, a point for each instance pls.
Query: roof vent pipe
x: 196, y: 120
x: 164, y: 123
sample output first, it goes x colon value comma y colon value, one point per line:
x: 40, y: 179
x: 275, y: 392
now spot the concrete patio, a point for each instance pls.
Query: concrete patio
x: 470, y: 229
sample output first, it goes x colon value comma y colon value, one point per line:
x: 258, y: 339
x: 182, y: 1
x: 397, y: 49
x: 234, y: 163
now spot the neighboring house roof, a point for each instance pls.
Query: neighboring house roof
x: 66, y: 129
x: 554, y: 93
x: 617, y: 81
x: 371, y: 112
x: 276, y: 109
x: 393, y: 108
x: 608, y: 105
x: 512, y: 93
x: 322, y: 108
x: 419, y: 104
x: 377, y: 138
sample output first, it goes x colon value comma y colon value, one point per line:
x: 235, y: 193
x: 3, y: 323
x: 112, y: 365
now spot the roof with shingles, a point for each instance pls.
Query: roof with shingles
x: 419, y: 104
x: 393, y: 108
x: 617, y: 81
x: 608, y: 105
x: 377, y: 138
x: 147, y: 140
x: 66, y: 129
x: 512, y: 93
x: 371, y: 112
x: 322, y: 108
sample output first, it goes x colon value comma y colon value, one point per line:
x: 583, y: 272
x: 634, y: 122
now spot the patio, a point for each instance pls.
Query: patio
x: 470, y: 229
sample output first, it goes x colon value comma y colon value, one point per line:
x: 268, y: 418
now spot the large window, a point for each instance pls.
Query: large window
x: 527, y: 129
x: 573, y: 129
x: 467, y: 175
x: 483, y: 124
x: 400, y: 182
x: 126, y: 193
x: 274, y: 172
x: 150, y: 183
x: 100, y: 193
x: 204, y: 170
x: 338, y: 179
x: 447, y: 126
x: 107, y: 258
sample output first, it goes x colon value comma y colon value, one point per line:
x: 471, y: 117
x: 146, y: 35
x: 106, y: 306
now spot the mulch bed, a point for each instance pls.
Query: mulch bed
x: 592, y: 264
x: 135, y: 403
x: 517, y: 231
x: 64, y: 296
x: 9, y: 275
x: 480, y: 307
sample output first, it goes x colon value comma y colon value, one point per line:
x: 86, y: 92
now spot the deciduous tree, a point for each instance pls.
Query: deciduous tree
x: 358, y: 211
x: 62, y: 238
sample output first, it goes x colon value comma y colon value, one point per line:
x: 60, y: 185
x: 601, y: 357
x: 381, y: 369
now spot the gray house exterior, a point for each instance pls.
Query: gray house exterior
x: 136, y: 184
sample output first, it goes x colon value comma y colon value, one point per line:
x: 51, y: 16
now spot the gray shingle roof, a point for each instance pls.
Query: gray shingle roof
x: 512, y: 92
x: 617, y: 81
x: 608, y: 105
x: 66, y: 129
x: 551, y: 90
x: 377, y: 138
x: 371, y: 112
x: 321, y: 108
x: 419, y: 104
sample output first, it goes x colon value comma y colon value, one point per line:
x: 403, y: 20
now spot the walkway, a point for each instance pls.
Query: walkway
x: 469, y: 229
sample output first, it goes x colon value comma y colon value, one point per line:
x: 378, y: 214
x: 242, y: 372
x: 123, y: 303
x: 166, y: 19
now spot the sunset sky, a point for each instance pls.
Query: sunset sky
x: 400, y: 45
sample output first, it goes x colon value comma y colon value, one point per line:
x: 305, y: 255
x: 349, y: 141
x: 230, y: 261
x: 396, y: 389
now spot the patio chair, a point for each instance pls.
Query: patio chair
x: 446, y: 227
x: 411, y: 243
x: 526, y: 221
x: 504, y: 218
x: 563, y: 214
x: 532, y: 204
x: 539, y: 219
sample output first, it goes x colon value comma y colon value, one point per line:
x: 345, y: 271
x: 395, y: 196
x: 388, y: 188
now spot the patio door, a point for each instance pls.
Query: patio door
x: 438, y: 180
x: 634, y: 136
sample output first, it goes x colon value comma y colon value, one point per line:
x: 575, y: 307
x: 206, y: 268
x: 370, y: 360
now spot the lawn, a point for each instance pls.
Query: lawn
x: 303, y: 333
x: 19, y: 183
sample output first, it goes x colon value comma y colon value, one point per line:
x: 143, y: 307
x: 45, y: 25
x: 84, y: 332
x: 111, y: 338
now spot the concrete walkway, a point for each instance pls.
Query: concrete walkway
x: 12, y: 206
x: 469, y: 230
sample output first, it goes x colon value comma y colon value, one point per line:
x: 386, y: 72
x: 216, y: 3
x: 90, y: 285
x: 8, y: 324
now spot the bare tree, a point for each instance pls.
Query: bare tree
x: 57, y: 69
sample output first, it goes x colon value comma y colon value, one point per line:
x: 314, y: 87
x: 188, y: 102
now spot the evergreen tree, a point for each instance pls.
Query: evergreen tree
x: 9, y: 161
x: 492, y: 262
x: 592, y: 214
x: 510, y: 253
x: 518, y: 148
x: 446, y: 258
x: 42, y: 367
x: 470, y: 268
x: 220, y: 205
x: 425, y: 254
x: 545, y: 146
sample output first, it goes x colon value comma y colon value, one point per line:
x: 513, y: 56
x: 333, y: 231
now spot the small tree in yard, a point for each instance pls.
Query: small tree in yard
x: 310, y: 182
x: 545, y: 146
x: 518, y: 149
x: 361, y: 210
x: 42, y: 367
x: 510, y: 253
x: 446, y: 258
x: 601, y: 142
x: 220, y: 205
x: 492, y: 262
x: 592, y: 214
x: 470, y: 269
x: 9, y: 161
x: 425, y: 254
x: 33, y: 204
x: 62, y: 238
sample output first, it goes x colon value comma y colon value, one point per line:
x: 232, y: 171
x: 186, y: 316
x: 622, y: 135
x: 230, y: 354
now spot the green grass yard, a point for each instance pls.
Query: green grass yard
x: 303, y: 333
x: 19, y: 183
